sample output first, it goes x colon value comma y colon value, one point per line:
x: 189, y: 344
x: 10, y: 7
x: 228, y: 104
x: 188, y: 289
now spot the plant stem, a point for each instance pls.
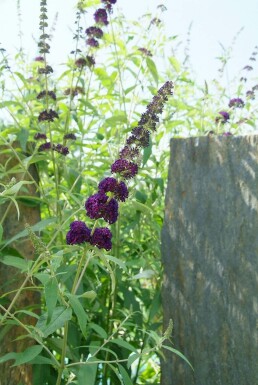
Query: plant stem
x: 77, y: 280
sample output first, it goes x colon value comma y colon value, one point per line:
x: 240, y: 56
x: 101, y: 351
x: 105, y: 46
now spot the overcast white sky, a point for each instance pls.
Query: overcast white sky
x: 213, y: 21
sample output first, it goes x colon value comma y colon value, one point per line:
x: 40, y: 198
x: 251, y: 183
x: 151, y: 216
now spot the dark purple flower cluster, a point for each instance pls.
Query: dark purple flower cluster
x: 104, y: 204
x: 45, y: 147
x: 236, y: 103
x: 101, y: 206
x: 101, y: 17
x: 250, y: 94
x: 125, y: 168
x: 63, y: 150
x: 119, y: 189
x: 94, y: 32
x: 47, y: 115
x: 45, y: 70
x: 74, y: 91
x: 92, y: 42
x: 223, y: 117
x: 39, y: 136
x: 102, y: 238
x: 145, y: 51
x: 108, y: 4
x: 78, y: 233
x: 248, y: 68
x: 39, y: 58
x: 88, y: 61
x: 43, y: 94
x: 70, y: 136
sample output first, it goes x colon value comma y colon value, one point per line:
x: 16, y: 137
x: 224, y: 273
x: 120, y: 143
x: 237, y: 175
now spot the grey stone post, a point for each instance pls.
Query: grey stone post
x: 210, y: 257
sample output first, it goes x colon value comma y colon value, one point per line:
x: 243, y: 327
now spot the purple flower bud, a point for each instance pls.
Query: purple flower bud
x: 250, y: 94
x: 78, y: 233
x: 94, y: 32
x: 248, y: 68
x: 102, y: 238
x: 125, y: 168
x: 39, y: 136
x: 83, y: 62
x: 45, y: 147
x: 92, y: 42
x: 70, y: 136
x: 39, y: 58
x: 227, y: 134
x: 145, y: 51
x: 236, y: 102
x: 223, y: 118
x: 48, y: 116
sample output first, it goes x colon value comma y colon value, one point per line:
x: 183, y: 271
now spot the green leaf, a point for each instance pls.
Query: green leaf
x: 19, y: 263
x: 98, y: 329
x: 119, y: 262
x: 15, y: 188
x: 41, y: 360
x: 51, y: 294
x: 123, y: 344
x: 126, y: 379
x: 153, y: 69
x: 23, y: 136
x: 91, y: 294
x: 144, y: 274
x: 60, y: 316
x: 41, y: 225
x: 178, y: 353
x: 1, y: 232
x: 132, y: 358
x: 22, y: 358
x: 79, y: 312
x: 146, y: 154
x: 87, y: 373
x: 28, y: 355
x: 175, y: 63
x: 7, y: 357
x: 114, y: 120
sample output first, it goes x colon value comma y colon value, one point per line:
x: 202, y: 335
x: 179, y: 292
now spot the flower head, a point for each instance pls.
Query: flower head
x: 39, y: 58
x: 248, y: 68
x: 223, y: 118
x: 236, y: 102
x: 145, y: 51
x: 46, y: 70
x: 129, y: 152
x: 88, y: 61
x: 39, y: 136
x: 43, y: 94
x: 92, y: 42
x: 48, y: 116
x: 45, y: 147
x: 250, y: 94
x: 94, y: 32
x: 125, y: 168
x: 119, y: 189
x: 99, y: 206
x: 61, y: 149
x: 78, y: 233
x: 102, y: 238
x: 101, y: 17
x: 70, y: 136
